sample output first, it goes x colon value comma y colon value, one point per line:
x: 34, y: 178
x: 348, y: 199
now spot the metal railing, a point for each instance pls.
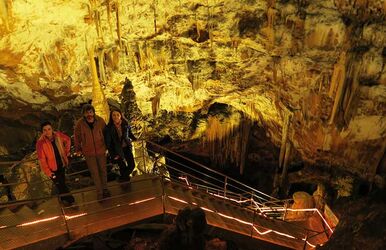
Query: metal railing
x: 64, y: 221
x: 178, y: 168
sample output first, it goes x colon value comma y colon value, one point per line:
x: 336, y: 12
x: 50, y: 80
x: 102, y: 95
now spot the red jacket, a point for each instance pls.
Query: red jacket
x: 90, y: 141
x: 46, y: 154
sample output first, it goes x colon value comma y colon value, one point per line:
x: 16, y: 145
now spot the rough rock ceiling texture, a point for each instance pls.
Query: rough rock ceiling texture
x: 312, y: 73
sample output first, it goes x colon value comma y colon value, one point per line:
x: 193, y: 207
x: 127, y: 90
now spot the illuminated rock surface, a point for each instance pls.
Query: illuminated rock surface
x: 217, y: 71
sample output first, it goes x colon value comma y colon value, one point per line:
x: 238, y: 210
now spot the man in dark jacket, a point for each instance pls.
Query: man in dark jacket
x: 118, y: 138
x: 89, y: 141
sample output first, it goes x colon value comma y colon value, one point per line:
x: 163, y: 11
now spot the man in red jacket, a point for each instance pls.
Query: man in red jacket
x: 89, y: 141
x: 53, y: 148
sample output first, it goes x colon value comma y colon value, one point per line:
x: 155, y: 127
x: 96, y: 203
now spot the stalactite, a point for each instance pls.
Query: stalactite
x: 339, y: 74
x: 142, y: 57
x: 101, y: 65
x: 275, y: 62
x: 117, y: 14
x: 94, y: 4
x: 285, y: 128
x: 217, y: 136
x: 228, y: 141
x: 6, y: 13
x: 287, y: 156
x: 271, y: 14
x: 209, y: 24
x: 52, y: 67
x: 108, y: 10
x: 245, y: 130
x: 352, y: 85
x: 339, y: 82
x: 154, y: 7
x: 155, y: 102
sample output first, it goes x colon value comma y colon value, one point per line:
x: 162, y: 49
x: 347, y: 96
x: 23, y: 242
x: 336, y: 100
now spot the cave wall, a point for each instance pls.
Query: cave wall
x: 320, y: 63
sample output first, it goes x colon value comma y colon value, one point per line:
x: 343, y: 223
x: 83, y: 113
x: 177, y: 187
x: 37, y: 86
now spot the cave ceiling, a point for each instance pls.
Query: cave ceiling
x: 314, y: 70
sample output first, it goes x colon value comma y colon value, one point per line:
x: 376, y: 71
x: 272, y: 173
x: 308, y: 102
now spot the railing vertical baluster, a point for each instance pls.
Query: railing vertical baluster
x: 285, y: 209
x: 143, y: 156
x: 163, y: 196
x: 225, y: 186
x: 305, y: 242
x: 253, y: 222
x: 64, y: 218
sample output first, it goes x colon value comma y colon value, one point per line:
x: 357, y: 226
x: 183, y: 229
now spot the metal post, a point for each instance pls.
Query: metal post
x: 143, y: 156
x: 163, y: 196
x: 225, y: 186
x: 285, y: 209
x: 64, y: 218
x: 253, y: 222
x: 305, y: 242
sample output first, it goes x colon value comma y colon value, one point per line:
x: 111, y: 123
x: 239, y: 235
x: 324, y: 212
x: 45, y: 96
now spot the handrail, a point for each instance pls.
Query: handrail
x: 211, y: 170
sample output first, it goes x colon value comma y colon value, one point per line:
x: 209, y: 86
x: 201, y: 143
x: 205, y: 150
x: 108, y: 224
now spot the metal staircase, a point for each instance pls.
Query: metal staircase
x: 164, y: 187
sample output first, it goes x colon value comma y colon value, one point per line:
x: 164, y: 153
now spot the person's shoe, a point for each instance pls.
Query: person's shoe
x: 106, y: 193
x: 125, y: 186
x: 67, y: 203
x: 123, y: 179
x: 100, y: 197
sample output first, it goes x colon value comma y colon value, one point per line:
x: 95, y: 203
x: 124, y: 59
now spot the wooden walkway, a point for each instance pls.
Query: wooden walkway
x: 49, y: 226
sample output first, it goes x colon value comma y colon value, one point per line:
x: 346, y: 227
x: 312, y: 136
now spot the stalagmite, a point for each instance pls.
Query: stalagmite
x: 98, y: 97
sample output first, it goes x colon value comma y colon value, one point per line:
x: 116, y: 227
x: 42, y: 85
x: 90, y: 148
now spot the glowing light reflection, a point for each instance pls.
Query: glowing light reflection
x: 69, y: 217
x: 266, y: 210
x: 37, y: 221
x: 141, y: 201
x: 245, y: 222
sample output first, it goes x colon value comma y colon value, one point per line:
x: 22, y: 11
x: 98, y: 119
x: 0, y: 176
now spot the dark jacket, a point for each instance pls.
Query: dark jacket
x: 90, y: 141
x: 114, y: 145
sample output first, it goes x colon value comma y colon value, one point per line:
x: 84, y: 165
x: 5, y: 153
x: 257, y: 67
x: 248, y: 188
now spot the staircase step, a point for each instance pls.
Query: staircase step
x: 49, y: 208
x: 7, y: 218
x: 26, y: 214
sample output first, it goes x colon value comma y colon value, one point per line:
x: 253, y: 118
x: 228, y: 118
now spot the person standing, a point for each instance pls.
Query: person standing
x: 89, y: 141
x: 53, y: 148
x: 118, y: 137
